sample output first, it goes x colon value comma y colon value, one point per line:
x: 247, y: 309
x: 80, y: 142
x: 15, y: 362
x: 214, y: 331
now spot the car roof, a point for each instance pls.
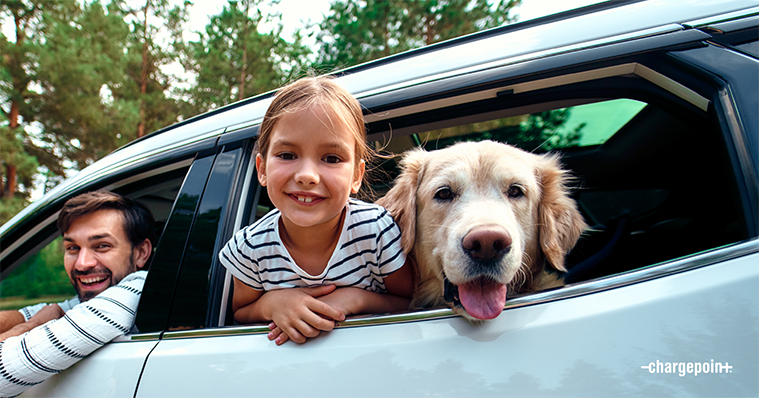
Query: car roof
x: 591, y: 26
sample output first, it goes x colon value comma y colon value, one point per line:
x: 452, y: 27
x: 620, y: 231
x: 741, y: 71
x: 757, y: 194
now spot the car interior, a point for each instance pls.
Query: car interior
x: 642, y: 164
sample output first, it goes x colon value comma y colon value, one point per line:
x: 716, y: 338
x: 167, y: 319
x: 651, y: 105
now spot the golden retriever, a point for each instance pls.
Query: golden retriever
x: 480, y: 220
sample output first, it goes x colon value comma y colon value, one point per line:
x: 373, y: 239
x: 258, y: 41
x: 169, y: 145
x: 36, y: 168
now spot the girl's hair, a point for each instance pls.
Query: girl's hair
x: 324, y: 92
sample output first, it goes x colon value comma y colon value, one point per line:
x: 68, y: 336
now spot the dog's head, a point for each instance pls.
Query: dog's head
x: 480, y: 219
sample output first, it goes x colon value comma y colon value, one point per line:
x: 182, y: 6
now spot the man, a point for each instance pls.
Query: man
x: 107, y: 241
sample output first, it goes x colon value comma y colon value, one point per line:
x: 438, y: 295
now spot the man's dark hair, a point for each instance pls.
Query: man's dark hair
x: 138, y: 222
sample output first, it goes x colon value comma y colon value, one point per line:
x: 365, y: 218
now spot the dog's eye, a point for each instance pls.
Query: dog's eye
x: 444, y: 194
x: 515, y: 191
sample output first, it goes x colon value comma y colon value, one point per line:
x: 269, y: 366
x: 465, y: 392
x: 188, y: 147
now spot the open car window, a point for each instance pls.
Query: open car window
x: 41, y: 277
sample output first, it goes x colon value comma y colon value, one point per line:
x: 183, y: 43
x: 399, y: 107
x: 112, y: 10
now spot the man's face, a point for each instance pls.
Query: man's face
x: 98, y: 253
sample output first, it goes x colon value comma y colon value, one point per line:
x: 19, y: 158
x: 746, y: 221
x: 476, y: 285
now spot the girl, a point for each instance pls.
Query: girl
x: 342, y: 256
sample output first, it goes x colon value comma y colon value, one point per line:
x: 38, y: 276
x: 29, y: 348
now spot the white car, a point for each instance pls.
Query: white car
x: 653, y: 105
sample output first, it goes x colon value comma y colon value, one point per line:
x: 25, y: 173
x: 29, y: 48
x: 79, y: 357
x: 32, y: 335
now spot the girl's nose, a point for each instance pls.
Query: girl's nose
x: 85, y: 260
x: 307, y: 174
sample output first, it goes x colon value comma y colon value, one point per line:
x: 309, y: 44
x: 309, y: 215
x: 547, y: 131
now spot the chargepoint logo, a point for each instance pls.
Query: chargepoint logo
x: 688, y: 368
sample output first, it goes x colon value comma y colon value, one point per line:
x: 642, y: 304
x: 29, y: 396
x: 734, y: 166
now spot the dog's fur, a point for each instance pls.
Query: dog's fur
x: 481, y: 220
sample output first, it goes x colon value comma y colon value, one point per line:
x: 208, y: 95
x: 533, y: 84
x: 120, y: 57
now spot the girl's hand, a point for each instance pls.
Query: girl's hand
x: 299, y: 315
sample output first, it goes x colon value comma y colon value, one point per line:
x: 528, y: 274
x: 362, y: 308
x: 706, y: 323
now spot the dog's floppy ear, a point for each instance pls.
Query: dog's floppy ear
x: 561, y: 224
x: 400, y: 201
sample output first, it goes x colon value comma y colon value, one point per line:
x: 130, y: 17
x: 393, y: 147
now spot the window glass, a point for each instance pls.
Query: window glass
x: 576, y: 126
x: 40, y: 279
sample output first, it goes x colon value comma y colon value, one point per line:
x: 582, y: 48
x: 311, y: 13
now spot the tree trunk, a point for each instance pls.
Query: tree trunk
x: 13, y: 116
x: 244, y: 66
x: 144, y: 74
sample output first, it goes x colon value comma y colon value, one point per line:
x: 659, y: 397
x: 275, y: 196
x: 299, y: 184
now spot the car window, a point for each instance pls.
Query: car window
x: 575, y: 126
x: 42, y: 277
x: 639, y: 157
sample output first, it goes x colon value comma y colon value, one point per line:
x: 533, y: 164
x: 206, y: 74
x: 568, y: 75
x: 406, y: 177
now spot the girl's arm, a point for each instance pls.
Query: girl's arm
x: 355, y: 301
x: 296, y: 311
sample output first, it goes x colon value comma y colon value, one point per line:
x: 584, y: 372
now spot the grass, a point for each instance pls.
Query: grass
x: 15, y: 303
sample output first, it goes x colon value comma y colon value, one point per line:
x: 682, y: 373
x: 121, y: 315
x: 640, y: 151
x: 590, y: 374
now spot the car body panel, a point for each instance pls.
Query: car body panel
x: 112, y: 371
x: 530, y: 351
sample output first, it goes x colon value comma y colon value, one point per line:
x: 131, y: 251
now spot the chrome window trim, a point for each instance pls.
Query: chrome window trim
x: 40, y: 226
x: 654, y: 271
x: 633, y: 68
x: 240, y: 126
x: 138, y: 337
x: 714, y: 19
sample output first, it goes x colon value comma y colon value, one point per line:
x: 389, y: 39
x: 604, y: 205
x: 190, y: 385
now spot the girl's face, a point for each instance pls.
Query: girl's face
x: 310, y: 168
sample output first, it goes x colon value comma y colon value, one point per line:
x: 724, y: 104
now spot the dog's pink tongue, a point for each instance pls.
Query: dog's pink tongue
x: 483, y: 298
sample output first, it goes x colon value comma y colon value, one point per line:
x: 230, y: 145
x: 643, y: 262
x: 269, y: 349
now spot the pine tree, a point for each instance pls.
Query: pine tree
x: 18, y: 164
x: 356, y: 31
x: 233, y: 60
x: 151, y: 21
x: 82, y: 66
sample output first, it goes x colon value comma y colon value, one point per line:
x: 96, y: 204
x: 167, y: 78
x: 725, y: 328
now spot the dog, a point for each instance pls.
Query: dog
x: 483, y: 220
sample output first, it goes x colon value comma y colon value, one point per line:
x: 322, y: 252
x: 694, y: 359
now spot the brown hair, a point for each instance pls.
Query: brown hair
x: 138, y: 222
x: 306, y: 92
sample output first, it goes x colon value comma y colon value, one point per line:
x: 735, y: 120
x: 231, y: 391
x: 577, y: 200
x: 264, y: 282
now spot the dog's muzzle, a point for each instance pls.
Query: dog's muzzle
x: 451, y: 293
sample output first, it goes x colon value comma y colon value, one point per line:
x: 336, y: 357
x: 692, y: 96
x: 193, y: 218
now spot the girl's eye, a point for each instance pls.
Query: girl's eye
x: 332, y: 159
x: 286, y: 156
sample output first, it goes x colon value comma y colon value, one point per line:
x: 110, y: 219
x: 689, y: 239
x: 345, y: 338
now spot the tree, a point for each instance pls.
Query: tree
x: 80, y: 69
x: 233, y: 60
x: 154, y: 18
x: 18, y: 66
x: 360, y: 31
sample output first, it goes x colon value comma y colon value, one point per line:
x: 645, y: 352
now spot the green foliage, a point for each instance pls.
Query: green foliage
x: 536, y: 132
x: 41, y: 275
x: 83, y: 58
x: 233, y: 60
x: 360, y: 31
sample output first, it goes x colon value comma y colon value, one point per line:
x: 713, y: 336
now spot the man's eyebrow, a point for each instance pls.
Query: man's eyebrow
x: 101, y: 236
x: 91, y: 238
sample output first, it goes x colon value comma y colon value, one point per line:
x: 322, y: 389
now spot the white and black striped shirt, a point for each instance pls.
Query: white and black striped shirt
x: 34, y: 356
x: 368, y: 250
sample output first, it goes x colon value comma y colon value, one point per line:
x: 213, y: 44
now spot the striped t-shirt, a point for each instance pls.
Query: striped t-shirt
x: 368, y: 250
x: 32, y: 357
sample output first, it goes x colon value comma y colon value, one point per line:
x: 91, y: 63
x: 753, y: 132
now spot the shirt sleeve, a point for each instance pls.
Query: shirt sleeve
x: 390, y: 252
x: 66, y: 305
x: 239, y: 258
x: 30, y: 310
x: 32, y: 357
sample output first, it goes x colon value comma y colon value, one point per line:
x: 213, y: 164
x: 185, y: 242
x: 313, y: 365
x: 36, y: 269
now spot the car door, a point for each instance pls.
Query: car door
x: 665, y: 303
x: 165, y: 184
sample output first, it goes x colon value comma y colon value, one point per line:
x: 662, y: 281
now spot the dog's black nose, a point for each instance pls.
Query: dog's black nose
x: 487, y: 243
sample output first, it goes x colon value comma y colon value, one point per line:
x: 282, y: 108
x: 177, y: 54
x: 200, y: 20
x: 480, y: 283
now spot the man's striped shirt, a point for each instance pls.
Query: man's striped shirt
x: 48, y: 349
x: 368, y: 250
